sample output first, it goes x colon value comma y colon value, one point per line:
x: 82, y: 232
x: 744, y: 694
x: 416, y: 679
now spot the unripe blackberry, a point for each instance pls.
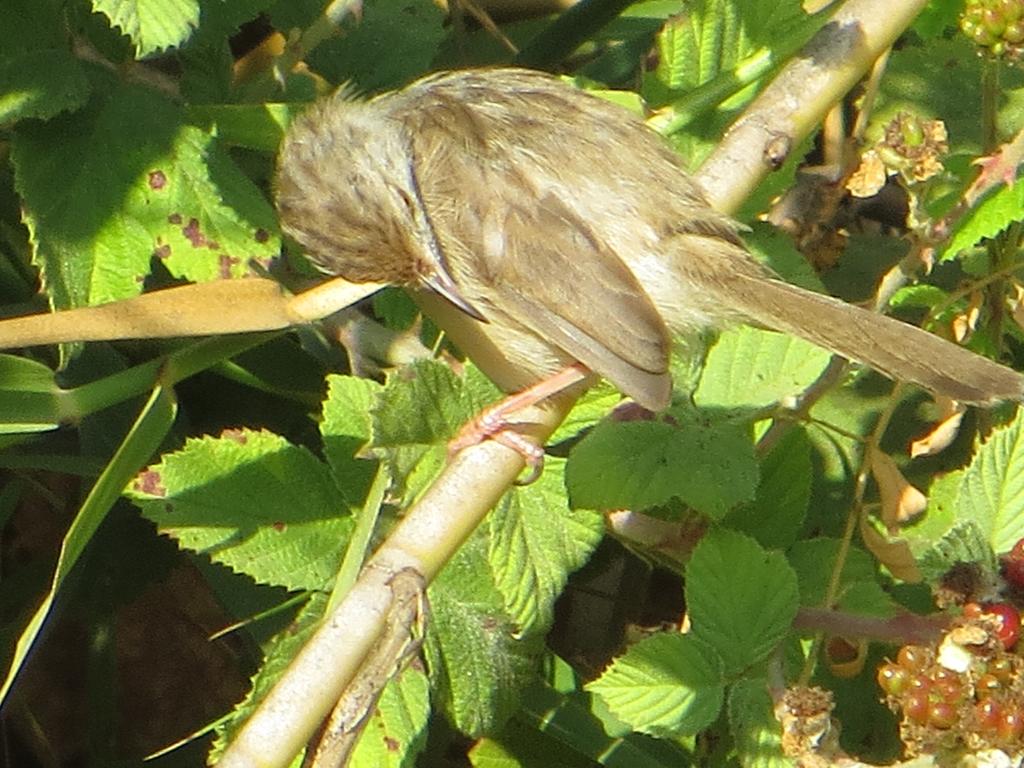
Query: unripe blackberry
x: 995, y: 25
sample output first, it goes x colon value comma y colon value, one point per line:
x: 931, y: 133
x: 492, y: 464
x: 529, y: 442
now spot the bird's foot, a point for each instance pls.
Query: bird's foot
x: 494, y: 422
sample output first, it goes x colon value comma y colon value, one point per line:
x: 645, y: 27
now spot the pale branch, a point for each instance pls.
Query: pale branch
x: 430, y: 533
x: 799, y: 97
x: 203, y: 309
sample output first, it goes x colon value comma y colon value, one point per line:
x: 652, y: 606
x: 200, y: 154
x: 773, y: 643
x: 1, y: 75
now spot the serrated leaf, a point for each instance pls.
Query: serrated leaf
x: 779, y: 507
x: 987, y: 219
x: 152, y: 25
x: 754, y: 727
x: 713, y: 35
x: 666, y: 685
x: 112, y: 186
x: 422, y: 404
x: 634, y: 465
x: 992, y: 492
x: 346, y: 428
x: 396, y: 732
x: 478, y: 663
x: 421, y: 407
x: 536, y: 541
x: 38, y: 75
x: 253, y: 502
x: 741, y: 599
x: 963, y: 543
x: 719, y: 51
x: 749, y: 368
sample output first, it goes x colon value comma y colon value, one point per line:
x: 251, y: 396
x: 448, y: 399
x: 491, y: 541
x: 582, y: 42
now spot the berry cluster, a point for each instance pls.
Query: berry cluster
x: 997, y: 25
x: 967, y: 693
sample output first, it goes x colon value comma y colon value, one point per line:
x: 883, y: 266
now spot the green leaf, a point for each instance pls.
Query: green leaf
x: 965, y: 542
x: 478, y: 661
x: 221, y: 20
x: 38, y: 75
x: 992, y: 492
x: 397, y: 731
x: 110, y: 187
x: 253, y: 502
x: 711, y: 60
x: 749, y: 368
x: 569, y: 719
x: 536, y: 541
x: 393, y: 43
x: 740, y: 598
x: 421, y: 407
x: 919, y: 295
x: 30, y: 400
x: 714, y: 35
x: 754, y: 727
x: 152, y: 25
x: 596, y: 403
x: 995, y: 213
x: 633, y: 465
x: 423, y: 404
x: 937, y: 17
x: 814, y: 560
x: 253, y: 126
x: 395, y: 308
x: 346, y: 430
x: 779, y: 508
x: 666, y: 685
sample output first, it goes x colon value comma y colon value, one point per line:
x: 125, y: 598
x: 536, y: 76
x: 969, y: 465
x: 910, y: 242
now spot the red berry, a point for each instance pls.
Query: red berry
x: 942, y: 715
x: 893, y: 679
x: 1009, y: 629
x: 1001, y: 669
x: 917, y: 707
x: 1011, y: 726
x: 987, y: 685
x: 949, y: 690
x: 912, y: 657
x: 988, y: 714
x: 920, y: 684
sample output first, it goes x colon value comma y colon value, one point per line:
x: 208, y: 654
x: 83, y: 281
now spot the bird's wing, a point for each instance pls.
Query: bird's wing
x: 514, y: 245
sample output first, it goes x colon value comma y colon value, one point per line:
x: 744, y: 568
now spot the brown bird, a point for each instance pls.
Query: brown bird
x: 542, y: 226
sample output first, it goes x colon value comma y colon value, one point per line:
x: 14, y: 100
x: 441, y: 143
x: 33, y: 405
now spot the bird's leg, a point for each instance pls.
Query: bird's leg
x: 493, y: 422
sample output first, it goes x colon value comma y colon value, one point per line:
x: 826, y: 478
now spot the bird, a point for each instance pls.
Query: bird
x: 546, y: 229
